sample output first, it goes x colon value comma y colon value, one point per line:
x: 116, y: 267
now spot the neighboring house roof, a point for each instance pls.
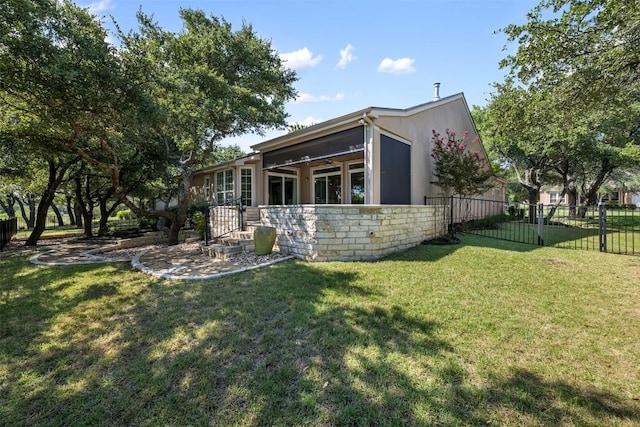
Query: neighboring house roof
x: 369, y: 112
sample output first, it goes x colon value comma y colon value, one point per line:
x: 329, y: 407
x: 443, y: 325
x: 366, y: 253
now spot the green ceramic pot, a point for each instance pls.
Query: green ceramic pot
x: 264, y: 238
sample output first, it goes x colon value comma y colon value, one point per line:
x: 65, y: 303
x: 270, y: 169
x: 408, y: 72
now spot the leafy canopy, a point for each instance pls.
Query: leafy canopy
x: 459, y: 170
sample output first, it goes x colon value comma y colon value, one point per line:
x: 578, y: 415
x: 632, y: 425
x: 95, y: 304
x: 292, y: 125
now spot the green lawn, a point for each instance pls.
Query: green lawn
x: 573, y: 234
x: 486, y: 332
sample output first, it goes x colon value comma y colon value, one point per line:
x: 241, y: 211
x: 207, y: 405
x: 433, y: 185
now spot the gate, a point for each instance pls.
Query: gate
x: 606, y: 228
x: 223, y: 219
x: 8, y: 229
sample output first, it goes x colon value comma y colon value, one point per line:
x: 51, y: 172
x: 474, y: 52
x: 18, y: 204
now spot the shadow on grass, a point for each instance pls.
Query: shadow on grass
x: 292, y: 345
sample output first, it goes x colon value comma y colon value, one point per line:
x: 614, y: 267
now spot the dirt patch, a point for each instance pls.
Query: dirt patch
x: 445, y: 240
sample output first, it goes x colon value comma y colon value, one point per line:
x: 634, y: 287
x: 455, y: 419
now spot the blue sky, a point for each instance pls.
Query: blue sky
x: 353, y: 54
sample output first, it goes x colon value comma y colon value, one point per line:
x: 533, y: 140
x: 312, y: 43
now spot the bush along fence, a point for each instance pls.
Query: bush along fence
x: 8, y: 229
x: 606, y: 228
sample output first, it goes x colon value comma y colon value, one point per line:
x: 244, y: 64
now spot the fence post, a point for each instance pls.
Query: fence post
x: 207, y: 232
x: 240, y: 219
x: 540, y: 224
x: 602, y: 226
x: 451, y: 231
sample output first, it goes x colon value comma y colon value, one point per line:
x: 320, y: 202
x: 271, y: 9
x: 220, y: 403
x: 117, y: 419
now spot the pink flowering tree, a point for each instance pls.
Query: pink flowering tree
x: 460, y: 171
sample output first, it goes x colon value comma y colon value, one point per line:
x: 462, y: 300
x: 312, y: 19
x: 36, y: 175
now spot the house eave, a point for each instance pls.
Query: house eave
x: 311, y: 131
x: 347, y: 119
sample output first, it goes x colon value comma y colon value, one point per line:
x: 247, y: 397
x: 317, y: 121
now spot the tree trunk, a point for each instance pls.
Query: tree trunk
x: 70, y: 209
x: 25, y: 217
x: 105, y: 213
x: 56, y: 211
x: 9, y: 206
x: 553, y: 209
x: 183, y: 201
x: 86, y: 207
x: 78, y: 214
x: 31, y: 201
x: 56, y: 175
x: 534, y: 197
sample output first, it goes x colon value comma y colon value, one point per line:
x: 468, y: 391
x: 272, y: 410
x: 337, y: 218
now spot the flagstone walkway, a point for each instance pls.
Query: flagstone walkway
x: 180, y: 262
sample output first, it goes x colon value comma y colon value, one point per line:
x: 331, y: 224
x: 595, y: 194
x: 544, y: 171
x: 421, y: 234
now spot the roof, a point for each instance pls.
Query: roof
x: 350, y: 118
x: 239, y: 161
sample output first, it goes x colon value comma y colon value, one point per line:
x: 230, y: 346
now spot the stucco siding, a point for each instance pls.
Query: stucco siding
x: 417, y: 128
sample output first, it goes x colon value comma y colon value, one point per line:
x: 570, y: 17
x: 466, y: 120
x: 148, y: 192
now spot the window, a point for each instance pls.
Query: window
x: 283, y: 187
x: 224, y: 186
x: 327, y: 185
x: 246, y: 186
x: 553, y: 197
x: 356, y: 183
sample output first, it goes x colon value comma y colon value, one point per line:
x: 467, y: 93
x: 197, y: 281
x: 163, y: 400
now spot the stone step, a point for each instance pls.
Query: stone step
x: 242, y: 235
x: 220, y: 251
x: 245, y: 244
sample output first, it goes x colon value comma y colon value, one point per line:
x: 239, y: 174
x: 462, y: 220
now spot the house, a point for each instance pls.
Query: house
x: 550, y: 196
x: 369, y: 163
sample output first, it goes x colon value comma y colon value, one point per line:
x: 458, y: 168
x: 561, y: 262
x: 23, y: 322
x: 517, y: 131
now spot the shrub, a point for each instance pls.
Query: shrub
x: 147, y: 223
x: 516, y: 212
x: 193, y: 209
x: 198, y: 221
x: 124, y: 215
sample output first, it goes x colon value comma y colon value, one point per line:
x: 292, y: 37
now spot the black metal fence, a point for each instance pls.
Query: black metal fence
x: 8, y: 229
x: 223, y: 219
x: 52, y: 224
x: 614, y: 229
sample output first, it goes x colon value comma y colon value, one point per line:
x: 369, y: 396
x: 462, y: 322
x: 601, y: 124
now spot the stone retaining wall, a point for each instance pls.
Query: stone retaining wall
x: 152, y: 238
x: 223, y: 219
x: 352, y: 232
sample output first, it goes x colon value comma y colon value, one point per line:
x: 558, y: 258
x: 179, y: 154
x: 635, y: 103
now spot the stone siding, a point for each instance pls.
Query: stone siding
x: 352, y: 232
x: 223, y: 220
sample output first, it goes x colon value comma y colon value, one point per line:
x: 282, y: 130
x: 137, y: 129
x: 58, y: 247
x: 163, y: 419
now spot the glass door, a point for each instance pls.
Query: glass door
x: 356, y: 183
x: 283, y: 187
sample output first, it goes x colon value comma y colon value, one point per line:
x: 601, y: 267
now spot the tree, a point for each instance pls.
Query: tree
x: 61, y: 87
x: 459, y: 170
x: 226, y: 153
x: 516, y: 123
x: 583, y: 56
x: 294, y: 127
x: 209, y: 83
x: 587, y: 48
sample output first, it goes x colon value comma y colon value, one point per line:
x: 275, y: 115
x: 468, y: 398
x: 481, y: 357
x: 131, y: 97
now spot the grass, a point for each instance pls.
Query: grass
x: 482, y: 333
x: 623, y: 238
x: 53, y: 230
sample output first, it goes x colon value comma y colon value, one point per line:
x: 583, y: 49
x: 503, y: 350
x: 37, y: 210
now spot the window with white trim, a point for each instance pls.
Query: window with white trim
x: 246, y: 186
x: 224, y: 186
x: 282, y: 186
x: 553, y: 197
x: 327, y: 185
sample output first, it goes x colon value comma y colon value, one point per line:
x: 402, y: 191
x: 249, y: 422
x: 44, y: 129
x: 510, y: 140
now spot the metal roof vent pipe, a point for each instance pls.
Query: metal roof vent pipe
x: 436, y: 91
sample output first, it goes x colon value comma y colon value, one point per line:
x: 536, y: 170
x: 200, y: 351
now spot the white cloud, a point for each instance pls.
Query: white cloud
x: 300, y: 59
x: 99, y: 6
x: 397, y: 66
x: 307, y: 98
x: 346, y: 56
x: 309, y: 121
